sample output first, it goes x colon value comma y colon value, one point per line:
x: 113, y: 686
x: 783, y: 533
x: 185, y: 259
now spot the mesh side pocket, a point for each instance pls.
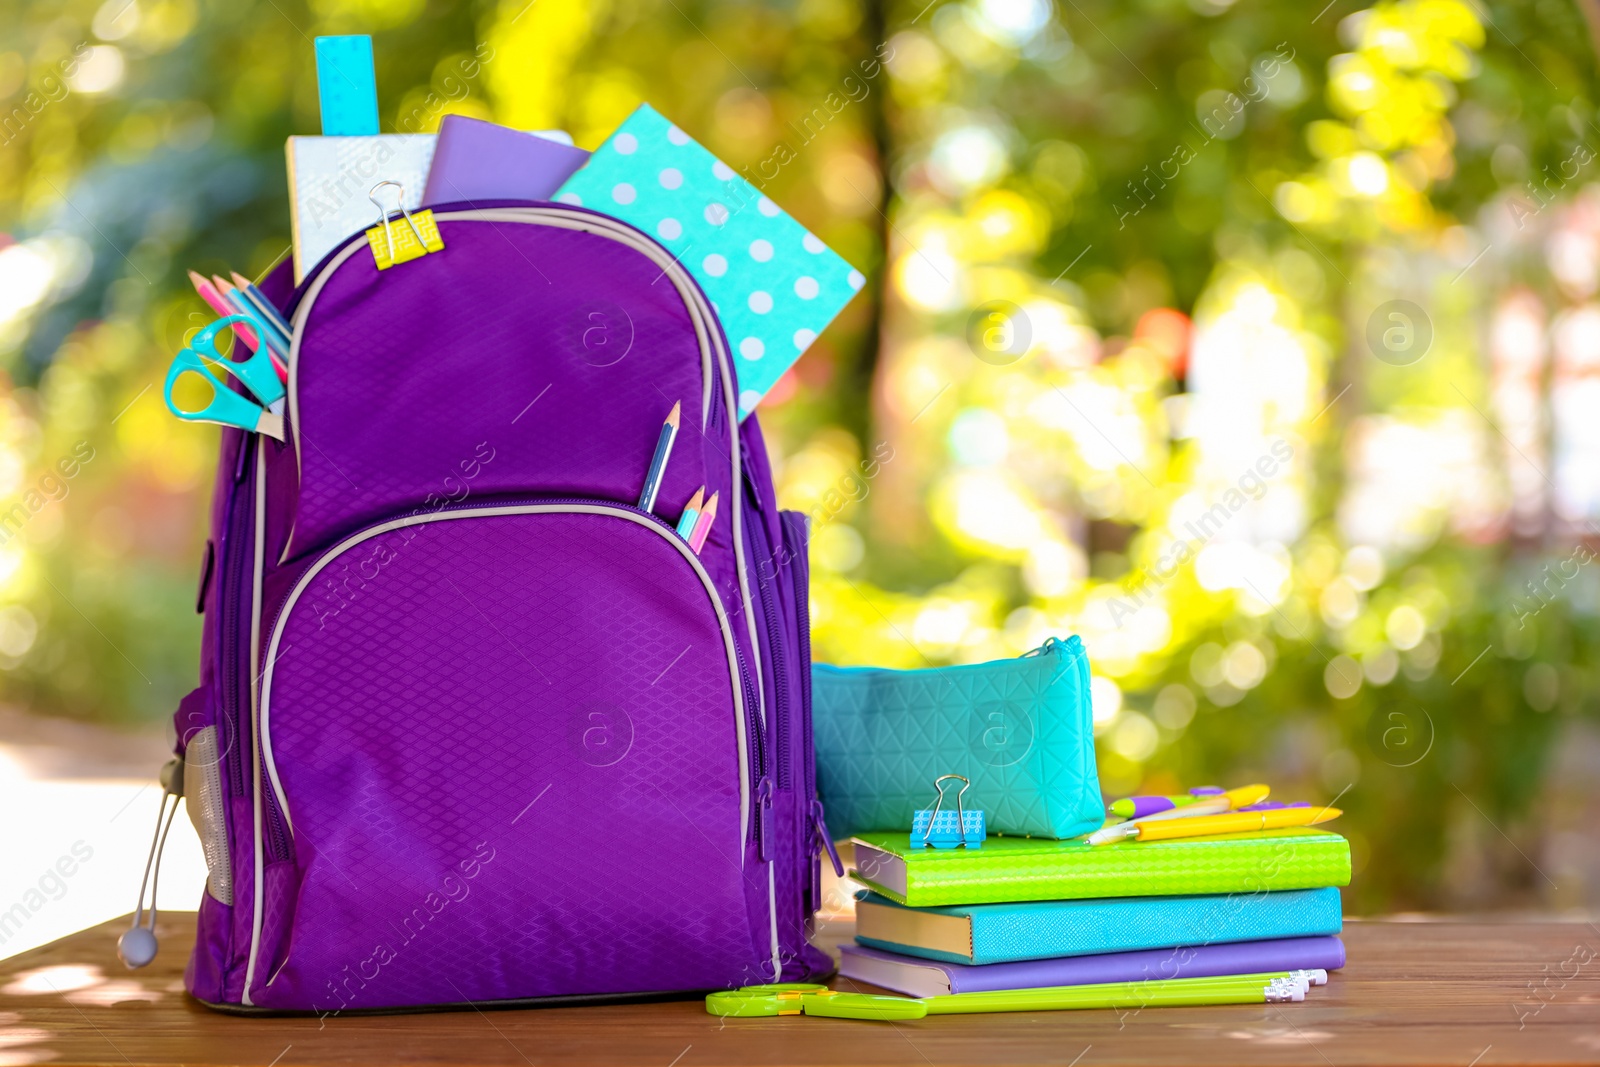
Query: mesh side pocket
x: 203, y: 797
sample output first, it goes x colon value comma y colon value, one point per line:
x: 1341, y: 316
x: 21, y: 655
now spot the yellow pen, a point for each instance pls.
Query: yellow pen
x: 1246, y: 795
x: 1210, y: 804
x: 1206, y: 825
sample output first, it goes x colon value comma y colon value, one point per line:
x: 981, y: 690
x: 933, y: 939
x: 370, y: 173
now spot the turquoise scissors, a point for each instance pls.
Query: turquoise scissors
x: 226, y: 406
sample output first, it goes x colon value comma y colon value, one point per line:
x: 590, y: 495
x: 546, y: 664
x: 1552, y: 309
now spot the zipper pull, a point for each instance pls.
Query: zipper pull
x: 827, y: 838
x: 750, y: 479
x: 137, y: 946
x: 1049, y: 645
x: 764, y: 818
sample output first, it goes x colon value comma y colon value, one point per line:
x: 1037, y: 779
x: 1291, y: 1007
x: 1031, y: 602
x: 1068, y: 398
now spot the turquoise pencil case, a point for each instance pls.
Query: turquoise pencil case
x: 1020, y: 729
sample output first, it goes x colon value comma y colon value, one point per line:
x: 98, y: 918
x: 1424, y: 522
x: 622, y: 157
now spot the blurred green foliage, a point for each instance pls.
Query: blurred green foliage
x: 1186, y: 211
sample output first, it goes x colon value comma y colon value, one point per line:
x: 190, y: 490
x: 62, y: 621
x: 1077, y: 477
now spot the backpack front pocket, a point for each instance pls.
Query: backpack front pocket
x: 507, y: 750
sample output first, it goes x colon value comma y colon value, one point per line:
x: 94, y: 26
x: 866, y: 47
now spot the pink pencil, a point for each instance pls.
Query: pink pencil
x: 702, y: 526
x: 208, y: 293
x: 247, y: 337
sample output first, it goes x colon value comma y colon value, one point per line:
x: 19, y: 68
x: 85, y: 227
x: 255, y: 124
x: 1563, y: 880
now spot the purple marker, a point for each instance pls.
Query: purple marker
x: 1139, y: 807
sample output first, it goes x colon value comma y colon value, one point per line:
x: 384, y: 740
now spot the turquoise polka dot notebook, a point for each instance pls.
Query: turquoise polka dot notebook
x: 773, y: 283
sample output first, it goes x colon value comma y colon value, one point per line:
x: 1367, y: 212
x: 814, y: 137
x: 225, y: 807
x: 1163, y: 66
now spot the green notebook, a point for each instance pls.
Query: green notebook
x: 1014, y: 869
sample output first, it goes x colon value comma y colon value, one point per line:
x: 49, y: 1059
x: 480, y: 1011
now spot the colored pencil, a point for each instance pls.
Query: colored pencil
x: 223, y: 305
x: 658, y: 462
x: 243, y: 305
x: 702, y: 525
x: 210, y: 294
x: 691, y: 513
x: 254, y: 292
x: 276, y: 339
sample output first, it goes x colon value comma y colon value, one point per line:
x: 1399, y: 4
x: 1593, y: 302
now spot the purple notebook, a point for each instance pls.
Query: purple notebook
x: 929, y: 978
x: 477, y: 160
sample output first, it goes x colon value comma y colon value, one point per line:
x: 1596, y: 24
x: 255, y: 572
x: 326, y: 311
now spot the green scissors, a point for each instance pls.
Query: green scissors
x: 804, y: 998
x: 226, y: 406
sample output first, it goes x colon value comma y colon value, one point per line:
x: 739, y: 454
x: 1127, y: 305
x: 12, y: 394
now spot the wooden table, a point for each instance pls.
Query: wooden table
x: 1454, y: 993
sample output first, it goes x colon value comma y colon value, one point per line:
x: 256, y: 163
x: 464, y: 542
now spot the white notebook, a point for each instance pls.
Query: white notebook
x: 330, y: 177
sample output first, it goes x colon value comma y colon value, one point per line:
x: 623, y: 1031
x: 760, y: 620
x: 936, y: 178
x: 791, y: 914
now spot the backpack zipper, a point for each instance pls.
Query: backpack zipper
x: 781, y: 712
x: 758, y: 736
x: 802, y: 605
x: 238, y: 719
x: 781, y: 716
x: 749, y: 741
x: 781, y: 759
x: 824, y: 840
x: 818, y: 838
x: 754, y: 742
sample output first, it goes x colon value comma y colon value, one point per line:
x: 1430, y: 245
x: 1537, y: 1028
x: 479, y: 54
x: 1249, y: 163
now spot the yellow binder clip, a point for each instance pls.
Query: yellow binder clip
x: 389, y: 247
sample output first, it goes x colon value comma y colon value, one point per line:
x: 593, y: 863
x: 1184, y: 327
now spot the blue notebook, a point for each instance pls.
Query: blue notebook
x: 1006, y: 933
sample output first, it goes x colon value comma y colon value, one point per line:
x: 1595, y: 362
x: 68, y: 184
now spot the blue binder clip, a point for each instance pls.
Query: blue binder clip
x: 948, y: 829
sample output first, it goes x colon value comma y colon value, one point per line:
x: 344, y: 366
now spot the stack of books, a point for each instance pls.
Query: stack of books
x: 1024, y: 913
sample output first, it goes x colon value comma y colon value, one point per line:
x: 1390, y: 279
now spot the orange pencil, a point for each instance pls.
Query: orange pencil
x: 702, y: 525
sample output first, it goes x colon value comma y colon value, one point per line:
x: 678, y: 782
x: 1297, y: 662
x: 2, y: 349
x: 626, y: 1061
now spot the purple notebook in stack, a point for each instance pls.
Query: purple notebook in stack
x: 481, y: 161
x: 930, y: 978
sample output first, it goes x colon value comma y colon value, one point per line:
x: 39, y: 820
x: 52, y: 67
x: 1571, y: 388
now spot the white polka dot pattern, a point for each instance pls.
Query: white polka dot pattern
x: 774, y: 285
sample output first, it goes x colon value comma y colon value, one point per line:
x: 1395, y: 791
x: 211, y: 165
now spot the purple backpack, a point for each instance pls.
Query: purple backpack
x: 471, y: 726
